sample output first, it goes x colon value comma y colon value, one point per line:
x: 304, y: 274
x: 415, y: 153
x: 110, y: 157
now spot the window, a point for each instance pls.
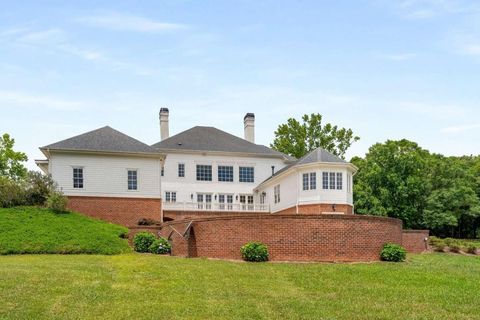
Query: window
x: 332, y: 180
x: 276, y: 193
x: 225, y: 198
x: 181, y: 170
x: 170, y: 196
x: 204, y: 172
x: 162, y: 173
x: 339, y: 181
x: 349, y: 182
x: 309, y: 181
x: 313, y: 180
x: 132, y: 179
x: 225, y: 173
x: 305, y: 181
x: 78, y: 178
x: 325, y: 180
x: 246, y: 174
x: 247, y: 202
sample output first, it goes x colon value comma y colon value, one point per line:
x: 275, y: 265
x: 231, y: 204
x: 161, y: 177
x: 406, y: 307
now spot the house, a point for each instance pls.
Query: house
x: 202, y: 171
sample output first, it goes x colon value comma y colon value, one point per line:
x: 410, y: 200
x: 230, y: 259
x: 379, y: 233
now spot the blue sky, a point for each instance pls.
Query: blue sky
x: 386, y: 69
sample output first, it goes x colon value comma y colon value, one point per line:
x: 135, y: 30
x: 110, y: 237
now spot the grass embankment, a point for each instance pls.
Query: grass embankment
x: 134, y: 286
x: 40, y: 230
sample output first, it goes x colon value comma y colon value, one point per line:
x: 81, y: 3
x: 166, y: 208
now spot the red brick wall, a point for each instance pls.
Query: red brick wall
x: 288, y: 237
x: 318, y: 209
x: 414, y: 240
x: 180, y: 215
x: 124, y: 211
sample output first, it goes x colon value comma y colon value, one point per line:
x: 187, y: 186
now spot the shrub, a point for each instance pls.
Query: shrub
x: 146, y: 222
x: 450, y: 241
x: 142, y: 241
x: 255, y: 252
x: 12, y: 193
x: 393, y: 252
x: 38, y: 188
x: 160, y: 246
x: 455, y: 246
x: 57, y: 202
x: 439, y: 245
x: 472, y: 248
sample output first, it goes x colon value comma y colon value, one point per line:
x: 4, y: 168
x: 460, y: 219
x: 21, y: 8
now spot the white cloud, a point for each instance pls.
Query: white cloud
x: 123, y: 22
x: 428, y: 9
x: 461, y: 128
x: 32, y: 101
x: 433, y: 110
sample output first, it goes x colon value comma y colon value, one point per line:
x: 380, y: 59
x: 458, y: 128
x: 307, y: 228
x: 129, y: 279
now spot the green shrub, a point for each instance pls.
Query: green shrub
x: 142, y: 241
x: 57, y: 202
x: 472, y: 248
x: 160, y: 246
x: 393, y: 252
x: 450, y: 241
x: 439, y: 245
x: 255, y: 252
x: 12, y: 193
x: 455, y: 246
x: 38, y: 188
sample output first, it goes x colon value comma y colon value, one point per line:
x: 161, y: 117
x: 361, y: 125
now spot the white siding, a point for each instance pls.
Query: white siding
x: 187, y: 186
x: 106, y: 175
x: 292, y: 193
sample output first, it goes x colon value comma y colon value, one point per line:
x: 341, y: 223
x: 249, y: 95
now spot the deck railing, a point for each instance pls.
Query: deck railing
x: 210, y: 206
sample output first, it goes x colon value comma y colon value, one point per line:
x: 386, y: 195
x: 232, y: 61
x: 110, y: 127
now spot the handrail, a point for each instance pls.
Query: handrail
x: 211, y: 206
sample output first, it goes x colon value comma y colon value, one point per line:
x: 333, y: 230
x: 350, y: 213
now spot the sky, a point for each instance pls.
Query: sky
x: 386, y: 69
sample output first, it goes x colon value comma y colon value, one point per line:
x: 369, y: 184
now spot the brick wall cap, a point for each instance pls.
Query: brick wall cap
x: 287, y: 216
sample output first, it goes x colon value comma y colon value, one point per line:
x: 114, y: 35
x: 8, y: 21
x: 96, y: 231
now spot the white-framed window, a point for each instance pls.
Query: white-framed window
x: 313, y: 180
x: 339, y: 181
x: 225, y: 201
x: 204, y: 172
x: 349, y: 182
x: 78, y: 178
x: 276, y: 193
x: 309, y: 181
x: 181, y: 170
x: 246, y: 174
x: 204, y: 201
x: 132, y: 179
x: 170, y: 196
x: 332, y: 180
x: 305, y: 181
x: 225, y: 173
x: 325, y: 180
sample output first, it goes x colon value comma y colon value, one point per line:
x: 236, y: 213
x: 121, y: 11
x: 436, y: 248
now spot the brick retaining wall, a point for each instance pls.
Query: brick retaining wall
x: 124, y: 211
x: 414, y: 240
x: 289, y: 237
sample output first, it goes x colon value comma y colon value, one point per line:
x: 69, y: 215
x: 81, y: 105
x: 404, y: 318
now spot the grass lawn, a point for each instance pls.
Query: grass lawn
x: 39, y: 230
x: 134, y: 286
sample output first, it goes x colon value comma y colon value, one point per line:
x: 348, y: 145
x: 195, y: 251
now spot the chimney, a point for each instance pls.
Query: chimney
x: 249, y: 125
x: 163, y: 116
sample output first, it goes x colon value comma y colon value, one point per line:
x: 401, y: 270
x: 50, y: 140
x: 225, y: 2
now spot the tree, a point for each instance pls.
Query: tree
x: 11, y: 162
x: 297, y: 139
x: 392, y: 181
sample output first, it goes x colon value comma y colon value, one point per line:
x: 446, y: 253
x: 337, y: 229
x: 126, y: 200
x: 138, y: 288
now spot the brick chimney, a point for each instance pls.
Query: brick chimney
x: 249, y: 127
x: 164, y: 131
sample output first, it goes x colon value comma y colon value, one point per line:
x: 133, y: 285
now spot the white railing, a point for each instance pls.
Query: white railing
x: 210, y: 206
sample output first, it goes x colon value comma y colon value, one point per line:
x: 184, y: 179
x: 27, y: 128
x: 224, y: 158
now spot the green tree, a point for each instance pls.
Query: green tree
x: 11, y: 161
x: 392, y: 181
x: 297, y: 139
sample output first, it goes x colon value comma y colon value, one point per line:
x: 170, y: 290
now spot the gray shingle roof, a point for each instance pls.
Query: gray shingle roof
x: 317, y: 155
x: 212, y: 139
x: 105, y: 139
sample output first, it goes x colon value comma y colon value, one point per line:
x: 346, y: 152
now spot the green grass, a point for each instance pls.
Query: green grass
x: 134, y: 286
x: 40, y: 230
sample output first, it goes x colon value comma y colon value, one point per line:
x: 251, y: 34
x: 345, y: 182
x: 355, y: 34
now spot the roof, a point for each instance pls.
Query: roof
x: 317, y: 155
x: 212, y: 139
x: 105, y: 139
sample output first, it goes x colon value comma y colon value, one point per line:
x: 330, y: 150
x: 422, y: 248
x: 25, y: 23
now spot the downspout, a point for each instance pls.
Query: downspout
x: 351, y: 184
x: 298, y: 193
x: 160, y: 188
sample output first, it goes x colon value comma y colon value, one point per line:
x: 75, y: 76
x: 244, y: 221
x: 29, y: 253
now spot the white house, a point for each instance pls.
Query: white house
x: 201, y: 171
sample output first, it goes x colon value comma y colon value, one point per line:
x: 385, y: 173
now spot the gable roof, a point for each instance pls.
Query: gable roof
x: 317, y: 155
x: 105, y: 139
x: 212, y: 139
